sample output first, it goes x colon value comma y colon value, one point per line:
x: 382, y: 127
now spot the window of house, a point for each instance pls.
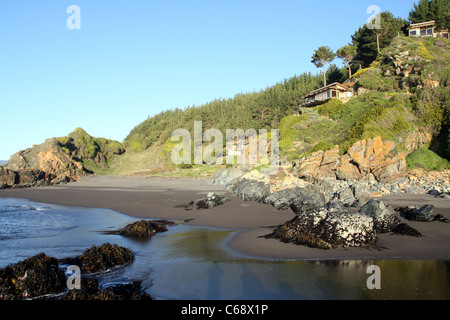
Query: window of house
x: 423, y: 32
x: 430, y: 32
x: 413, y: 33
x: 334, y: 94
x: 328, y: 94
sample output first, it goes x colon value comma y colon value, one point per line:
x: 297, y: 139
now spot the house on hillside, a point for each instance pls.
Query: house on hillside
x: 322, y: 95
x: 427, y: 29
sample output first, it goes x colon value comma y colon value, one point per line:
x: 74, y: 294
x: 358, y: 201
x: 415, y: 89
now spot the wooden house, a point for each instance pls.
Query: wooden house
x: 427, y: 29
x: 322, y: 95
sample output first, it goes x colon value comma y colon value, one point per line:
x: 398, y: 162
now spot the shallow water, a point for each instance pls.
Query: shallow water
x: 192, y: 263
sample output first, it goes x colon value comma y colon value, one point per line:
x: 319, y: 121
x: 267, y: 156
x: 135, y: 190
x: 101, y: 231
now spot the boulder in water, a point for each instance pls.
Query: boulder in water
x: 36, y: 276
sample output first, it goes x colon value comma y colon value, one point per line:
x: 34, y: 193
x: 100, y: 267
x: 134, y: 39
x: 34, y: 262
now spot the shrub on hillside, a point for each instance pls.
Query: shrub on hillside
x: 333, y: 109
x: 426, y: 159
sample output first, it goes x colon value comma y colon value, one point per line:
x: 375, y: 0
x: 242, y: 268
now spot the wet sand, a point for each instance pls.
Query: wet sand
x: 156, y: 198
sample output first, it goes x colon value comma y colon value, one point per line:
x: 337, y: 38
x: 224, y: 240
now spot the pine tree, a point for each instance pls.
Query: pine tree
x: 347, y: 54
x: 369, y: 42
x: 321, y: 58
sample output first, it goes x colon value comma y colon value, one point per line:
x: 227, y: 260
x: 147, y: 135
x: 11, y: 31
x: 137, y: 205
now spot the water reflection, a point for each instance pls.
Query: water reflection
x: 194, y: 264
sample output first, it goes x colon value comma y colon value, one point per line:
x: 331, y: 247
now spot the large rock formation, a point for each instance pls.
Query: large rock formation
x: 366, y: 159
x: 333, y: 226
x: 327, y: 228
x: 252, y: 186
x: 41, y: 165
x: 57, y: 160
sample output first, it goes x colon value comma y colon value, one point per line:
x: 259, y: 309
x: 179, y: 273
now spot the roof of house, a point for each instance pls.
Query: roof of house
x: 422, y: 24
x: 335, y: 85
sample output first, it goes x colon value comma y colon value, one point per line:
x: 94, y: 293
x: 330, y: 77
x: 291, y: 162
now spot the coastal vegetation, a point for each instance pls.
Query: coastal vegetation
x: 93, y: 152
x: 405, y: 90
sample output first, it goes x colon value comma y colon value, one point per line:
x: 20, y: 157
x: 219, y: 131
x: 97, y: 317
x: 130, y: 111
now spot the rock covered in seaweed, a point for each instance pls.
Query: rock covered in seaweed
x: 41, y: 277
x: 36, y: 276
x: 101, y: 258
x: 144, y: 228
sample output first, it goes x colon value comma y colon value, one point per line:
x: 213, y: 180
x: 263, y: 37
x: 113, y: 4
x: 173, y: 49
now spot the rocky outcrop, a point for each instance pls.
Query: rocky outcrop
x: 22, y: 178
x: 332, y: 226
x: 48, y: 157
x: 57, y: 160
x: 252, y: 186
x: 41, y: 165
x: 224, y: 177
x: 283, y: 199
x: 366, y: 159
x: 327, y: 228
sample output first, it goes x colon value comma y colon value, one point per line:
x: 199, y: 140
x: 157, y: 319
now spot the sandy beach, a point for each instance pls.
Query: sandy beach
x: 157, y: 198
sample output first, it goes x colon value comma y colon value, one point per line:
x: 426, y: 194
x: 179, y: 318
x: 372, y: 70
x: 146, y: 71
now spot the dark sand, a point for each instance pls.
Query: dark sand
x: 157, y: 199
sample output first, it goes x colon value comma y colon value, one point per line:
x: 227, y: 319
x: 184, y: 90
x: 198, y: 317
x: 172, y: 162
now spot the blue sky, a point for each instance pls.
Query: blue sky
x: 133, y: 59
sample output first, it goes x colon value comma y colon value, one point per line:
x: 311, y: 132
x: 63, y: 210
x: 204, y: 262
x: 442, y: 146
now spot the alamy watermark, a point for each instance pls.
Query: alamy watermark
x: 374, y: 281
x: 74, y: 280
x: 249, y: 147
x: 74, y: 20
x: 374, y: 21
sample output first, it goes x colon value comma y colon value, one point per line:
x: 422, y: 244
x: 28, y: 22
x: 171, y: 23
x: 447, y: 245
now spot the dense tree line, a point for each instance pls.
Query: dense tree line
x: 256, y: 110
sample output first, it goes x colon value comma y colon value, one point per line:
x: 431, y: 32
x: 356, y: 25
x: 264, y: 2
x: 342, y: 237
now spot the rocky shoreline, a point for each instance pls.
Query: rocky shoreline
x: 46, y: 278
x: 337, y: 213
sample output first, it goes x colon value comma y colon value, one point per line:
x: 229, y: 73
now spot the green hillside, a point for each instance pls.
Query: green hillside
x: 94, y: 153
x: 257, y: 110
x: 404, y: 91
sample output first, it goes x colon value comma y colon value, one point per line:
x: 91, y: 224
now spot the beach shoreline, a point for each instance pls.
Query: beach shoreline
x: 158, y: 198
